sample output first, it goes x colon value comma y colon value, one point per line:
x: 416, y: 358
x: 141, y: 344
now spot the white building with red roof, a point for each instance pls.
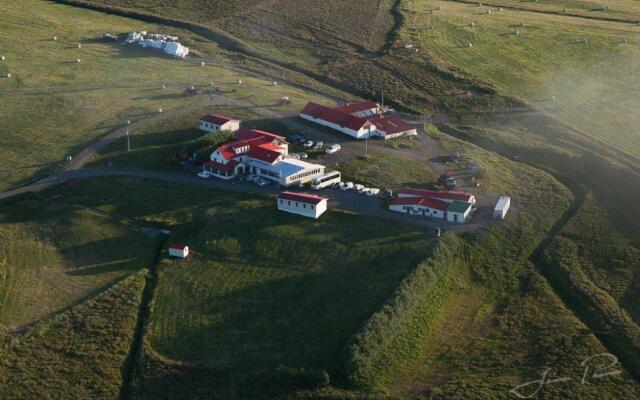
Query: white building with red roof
x: 308, y: 205
x: 261, y: 153
x: 213, y: 123
x: 360, y: 120
x: 178, y: 250
x: 452, y: 206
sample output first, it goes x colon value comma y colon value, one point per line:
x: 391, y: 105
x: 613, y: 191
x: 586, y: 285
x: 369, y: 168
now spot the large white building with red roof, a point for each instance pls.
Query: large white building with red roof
x: 261, y: 153
x: 361, y: 120
x: 218, y: 123
x: 453, y: 206
x: 308, y: 205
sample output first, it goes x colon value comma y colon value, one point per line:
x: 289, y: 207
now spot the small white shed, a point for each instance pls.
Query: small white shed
x: 308, y: 205
x: 178, y: 250
x: 501, y: 208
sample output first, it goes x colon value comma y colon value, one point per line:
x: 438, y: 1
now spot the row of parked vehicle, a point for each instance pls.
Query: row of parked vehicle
x: 310, y: 144
x: 361, y: 189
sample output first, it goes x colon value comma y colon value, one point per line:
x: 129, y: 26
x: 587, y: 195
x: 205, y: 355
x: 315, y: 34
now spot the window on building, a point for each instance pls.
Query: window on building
x: 289, y: 203
x: 311, y: 206
x: 304, y: 205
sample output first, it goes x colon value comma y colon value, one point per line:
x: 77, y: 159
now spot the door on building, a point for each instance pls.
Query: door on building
x: 455, y: 217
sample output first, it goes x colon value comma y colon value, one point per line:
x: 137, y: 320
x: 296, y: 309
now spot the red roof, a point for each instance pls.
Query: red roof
x: 264, y: 154
x: 250, y: 134
x: 217, y: 119
x: 313, y: 109
x: 230, y: 166
x: 422, y: 201
x: 390, y: 124
x: 228, y: 150
x: 301, y: 197
x: 177, y: 246
x: 461, y: 196
x: 335, y: 116
x: 359, y: 106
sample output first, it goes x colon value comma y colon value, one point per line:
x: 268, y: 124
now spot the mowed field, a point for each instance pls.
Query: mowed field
x: 589, y: 86
x: 54, y: 255
x: 54, y: 106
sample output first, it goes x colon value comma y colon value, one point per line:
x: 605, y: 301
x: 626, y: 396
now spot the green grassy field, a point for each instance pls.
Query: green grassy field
x: 272, y: 288
x: 55, y: 255
x: 592, y: 82
x: 78, y: 354
x: 56, y: 107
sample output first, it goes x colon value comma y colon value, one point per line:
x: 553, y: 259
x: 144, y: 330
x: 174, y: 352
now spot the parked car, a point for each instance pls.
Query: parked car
x: 253, y: 178
x: 318, y: 145
x: 303, y: 155
x: 308, y: 144
x: 358, y: 187
x: 363, y: 190
x: 262, y: 182
x: 295, y: 155
x: 373, y: 192
x: 348, y: 186
x: 388, y: 192
x: 333, y: 148
x: 204, y: 174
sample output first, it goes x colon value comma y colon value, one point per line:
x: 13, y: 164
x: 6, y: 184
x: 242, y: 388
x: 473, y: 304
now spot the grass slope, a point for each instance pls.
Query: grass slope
x: 591, y: 82
x: 385, y: 171
x: 55, y: 255
x: 56, y: 107
x: 78, y: 354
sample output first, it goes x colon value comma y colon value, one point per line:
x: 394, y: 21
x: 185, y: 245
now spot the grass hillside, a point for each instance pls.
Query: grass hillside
x: 56, y: 106
x: 272, y: 288
x: 78, y: 354
x: 587, y: 86
x: 54, y: 255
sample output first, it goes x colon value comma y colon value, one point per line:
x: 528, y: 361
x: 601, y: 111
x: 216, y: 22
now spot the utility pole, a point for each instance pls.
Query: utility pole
x: 128, y: 144
x: 382, y: 109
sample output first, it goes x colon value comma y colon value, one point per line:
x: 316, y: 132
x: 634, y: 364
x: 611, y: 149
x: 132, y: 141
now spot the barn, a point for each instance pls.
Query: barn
x: 308, y: 205
x: 213, y: 123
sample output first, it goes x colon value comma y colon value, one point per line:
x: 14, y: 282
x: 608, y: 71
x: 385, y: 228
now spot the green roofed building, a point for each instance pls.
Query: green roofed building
x: 458, y: 211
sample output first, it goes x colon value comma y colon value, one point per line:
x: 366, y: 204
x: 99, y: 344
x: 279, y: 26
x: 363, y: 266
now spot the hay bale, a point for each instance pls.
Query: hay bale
x: 160, y: 110
x: 202, y: 64
x: 470, y: 45
x: 55, y: 38
x: 79, y: 45
x: 473, y: 24
x: 163, y: 86
x: 239, y: 81
x: 77, y: 60
x: 2, y: 58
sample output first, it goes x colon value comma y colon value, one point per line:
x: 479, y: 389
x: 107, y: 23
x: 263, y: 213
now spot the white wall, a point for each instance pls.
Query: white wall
x: 418, y: 210
x: 210, y: 127
x: 462, y: 217
x: 304, y: 209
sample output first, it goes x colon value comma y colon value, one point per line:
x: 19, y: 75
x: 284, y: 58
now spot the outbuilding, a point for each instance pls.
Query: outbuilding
x: 178, y: 250
x: 501, y: 208
x: 213, y: 123
x: 458, y: 211
x: 422, y: 206
x: 307, y: 205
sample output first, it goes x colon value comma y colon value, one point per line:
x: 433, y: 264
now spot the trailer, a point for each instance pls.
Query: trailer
x: 501, y: 208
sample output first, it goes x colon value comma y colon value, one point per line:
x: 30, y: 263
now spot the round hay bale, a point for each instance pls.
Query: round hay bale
x: 202, y: 64
x: 2, y: 58
x: 79, y: 45
x: 78, y: 60
x: 55, y: 38
x: 8, y: 75
x: 160, y: 110
x: 470, y: 45
x: 239, y: 81
x: 163, y: 87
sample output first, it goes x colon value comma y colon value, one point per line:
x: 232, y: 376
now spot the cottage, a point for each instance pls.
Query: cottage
x: 218, y: 123
x: 261, y: 153
x: 501, y: 208
x: 178, y: 250
x: 308, y: 205
x: 360, y: 120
